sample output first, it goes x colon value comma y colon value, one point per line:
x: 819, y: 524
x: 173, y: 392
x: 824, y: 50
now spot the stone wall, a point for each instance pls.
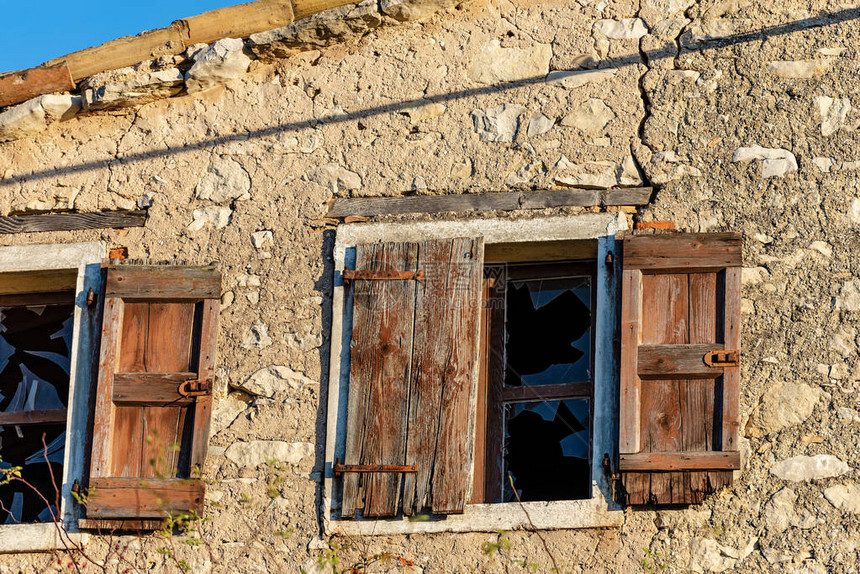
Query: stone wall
x: 741, y: 114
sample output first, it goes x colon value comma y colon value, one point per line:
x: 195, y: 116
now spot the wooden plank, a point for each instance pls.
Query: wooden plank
x: 163, y: 282
x: 445, y: 345
x: 238, y: 21
x: 206, y: 362
x: 479, y: 475
x: 38, y: 222
x: 168, y: 340
x: 686, y: 251
x: 20, y: 86
x: 125, y: 51
x: 38, y: 299
x: 371, y: 206
x: 732, y: 375
x: 380, y: 359
x: 103, y: 419
x: 494, y: 461
x: 127, y: 442
x: 547, y: 392
x: 626, y: 196
x: 674, y: 461
x: 530, y: 251
x: 119, y: 525
x: 162, y: 429
x: 629, y: 440
x: 43, y: 417
x: 559, y: 198
x: 305, y: 8
x: 49, y: 280
x: 143, y: 497
x: 132, y: 343
x: 150, y: 388
x: 677, y: 361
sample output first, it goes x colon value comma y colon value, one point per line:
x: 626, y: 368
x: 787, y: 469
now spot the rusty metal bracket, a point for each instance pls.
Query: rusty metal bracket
x: 339, y: 468
x: 368, y: 275
x: 719, y: 359
x: 193, y: 388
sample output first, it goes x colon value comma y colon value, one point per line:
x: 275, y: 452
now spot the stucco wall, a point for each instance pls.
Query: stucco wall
x: 414, y: 108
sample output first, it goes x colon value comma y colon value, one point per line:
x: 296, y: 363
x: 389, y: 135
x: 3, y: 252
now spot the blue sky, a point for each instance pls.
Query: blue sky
x: 34, y: 32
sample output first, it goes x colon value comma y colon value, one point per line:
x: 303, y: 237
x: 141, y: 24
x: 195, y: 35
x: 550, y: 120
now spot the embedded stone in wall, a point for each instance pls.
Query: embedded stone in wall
x: 833, y: 113
x: 849, y: 297
x: 256, y: 452
x: 494, y: 64
x: 577, y: 79
x: 707, y: 555
x: 322, y: 29
x: 270, y: 380
x: 261, y: 239
x: 60, y: 107
x: 783, y: 405
x: 708, y: 29
x: 854, y: 212
x: 35, y: 114
x: 139, y: 90
x: 598, y: 174
x: 217, y: 64
x: 623, y: 29
x: 425, y: 111
x: 408, y: 10
x: 225, y: 411
x: 217, y: 217
x: 539, y: 124
x: 775, y: 162
x: 225, y: 181
x: 669, y: 166
x: 845, y: 497
x: 592, y: 116
x: 257, y: 336
x: 499, y: 124
x: 805, y: 468
x: 780, y: 513
x: 798, y: 69
x: 336, y: 178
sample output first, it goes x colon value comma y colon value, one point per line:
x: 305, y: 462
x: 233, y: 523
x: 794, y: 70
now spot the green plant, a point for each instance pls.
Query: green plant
x: 651, y: 562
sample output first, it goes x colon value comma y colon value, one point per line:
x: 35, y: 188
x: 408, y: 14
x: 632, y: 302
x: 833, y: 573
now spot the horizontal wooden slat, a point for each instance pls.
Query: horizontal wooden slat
x: 17, y: 87
x: 35, y: 299
x: 150, y: 388
x: 676, y: 362
x: 673, y: 461
x: 119, y: 525
x: 54, y: 416
x: 143, y: 497
x: 43, y: 281
x: 547, y: 392
x: 497, y: 201
x: 686, y: 251
x: 163, y: 282
x: 238, y: 21
x: 36, y: 222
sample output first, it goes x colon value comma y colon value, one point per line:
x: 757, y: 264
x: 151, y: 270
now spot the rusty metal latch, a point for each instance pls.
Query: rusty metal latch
x: 719, y: 359
x: 193, y: 388
x: 339, y: 468
x: 368, y: 275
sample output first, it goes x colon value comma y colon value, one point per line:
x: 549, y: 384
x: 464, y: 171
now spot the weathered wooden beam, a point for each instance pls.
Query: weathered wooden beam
x: 497, y: 201
x: 238, y: 21
x: 71, y: 221
x: 21, y: 86
x: 119, y: 525
x: 672, y: 461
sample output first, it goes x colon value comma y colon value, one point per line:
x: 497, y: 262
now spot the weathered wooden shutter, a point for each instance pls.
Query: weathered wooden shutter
x: 154, y: 395
x: 678, y: 419
x: 413, y: 356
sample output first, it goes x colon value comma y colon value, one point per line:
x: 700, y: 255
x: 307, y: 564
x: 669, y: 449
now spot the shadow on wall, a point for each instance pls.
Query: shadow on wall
x: 666, y: 51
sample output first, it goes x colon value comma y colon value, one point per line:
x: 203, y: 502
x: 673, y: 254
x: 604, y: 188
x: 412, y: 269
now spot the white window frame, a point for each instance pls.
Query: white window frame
x: 85, y: 260
x: 600, y: 511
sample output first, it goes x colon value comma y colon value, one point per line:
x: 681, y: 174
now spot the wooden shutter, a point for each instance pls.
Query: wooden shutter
x: 154, y: 395
x: 678, y: 419
x: 413, y: 356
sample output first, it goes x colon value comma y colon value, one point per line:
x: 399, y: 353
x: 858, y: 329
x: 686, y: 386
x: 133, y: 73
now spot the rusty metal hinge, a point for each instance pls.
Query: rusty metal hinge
x: 725, y: 358
x: 366, y: 468
x: 193, y: 388
x: 368, y: 275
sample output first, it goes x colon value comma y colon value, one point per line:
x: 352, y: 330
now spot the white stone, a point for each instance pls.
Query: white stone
x: 833, y: 113
x: 805, y: 468
x: 854, y: 212
x: 138, y: 90
x: 592, y: 116
x: 845, y: 497
x: 798, y: 69
x: 261, y: 239
x: 217, y: 64
x: 776, y: 162
x: 707, y: 555
x: 217, y: 217
x: 257, y: 452
x: 251, y: 281
x: 499, y: 124
x: 540, y: 124
x: 779, y: 511
x: 579, y: 78
x: 225, y: 181
x: 257, y: 336
x: 495, y: 64
x: 408, y: 10
x: 825, y: 164
x: 22, y: 120
x: 783, y: 405
x: 425, y: 111
x: 624, y: 29
x: 598, y: 174
x: 273, y: 379
x: 849, y: 296
x: 60, y: 107
x: 754, y: 275
x: 225, y: 411
x: 336, y: 178
x: 843, y: 341
x: 822, y: 247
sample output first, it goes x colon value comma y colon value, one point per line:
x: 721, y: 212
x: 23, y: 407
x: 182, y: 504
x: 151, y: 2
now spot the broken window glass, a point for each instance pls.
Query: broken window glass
x: 35, y: 343
x: 547, y: 450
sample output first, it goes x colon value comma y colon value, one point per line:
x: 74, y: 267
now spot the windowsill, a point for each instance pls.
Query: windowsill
x: 562, y: 514
x: 37, y: 538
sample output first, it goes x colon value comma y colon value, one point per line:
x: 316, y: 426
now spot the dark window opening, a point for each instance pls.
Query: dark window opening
x: 35, y: 356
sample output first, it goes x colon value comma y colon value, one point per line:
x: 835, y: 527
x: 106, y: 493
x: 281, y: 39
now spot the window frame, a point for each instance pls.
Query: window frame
x: 84, y: 259
x: 601, y: 510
